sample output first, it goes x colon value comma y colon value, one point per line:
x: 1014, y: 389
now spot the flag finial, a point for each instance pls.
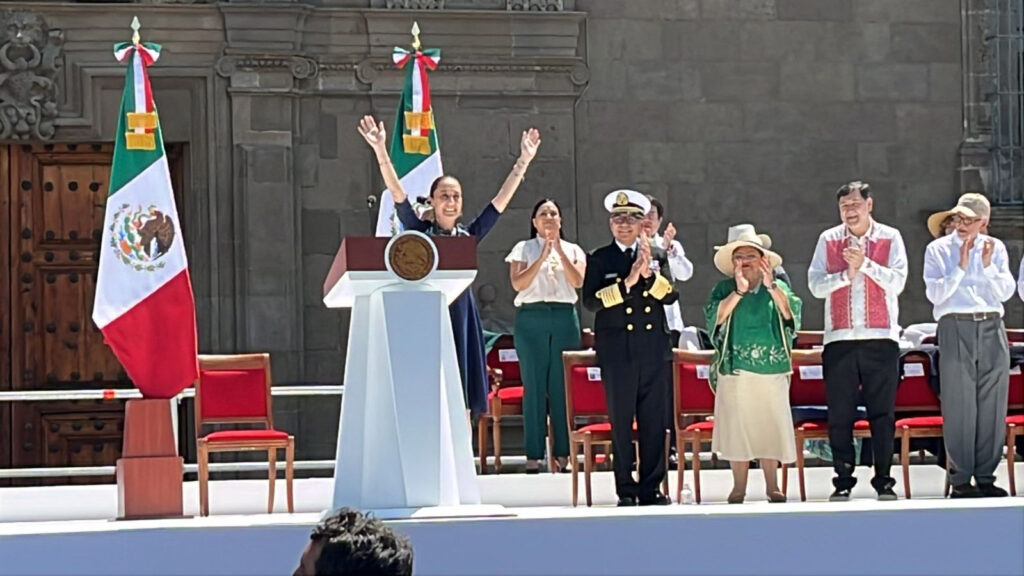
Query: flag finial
x: 415, y: 35
x: 135, y: 30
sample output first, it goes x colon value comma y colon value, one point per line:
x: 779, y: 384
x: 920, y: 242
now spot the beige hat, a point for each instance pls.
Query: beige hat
x: 734, y: 232
x: 744, y: 235
x: 971, y: 204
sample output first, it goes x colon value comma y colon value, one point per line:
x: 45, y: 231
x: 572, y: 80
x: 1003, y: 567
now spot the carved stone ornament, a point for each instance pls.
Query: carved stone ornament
x: 29, y: 62
x: 415, y: 4
x: 301, y: 67
x: 535, y: 5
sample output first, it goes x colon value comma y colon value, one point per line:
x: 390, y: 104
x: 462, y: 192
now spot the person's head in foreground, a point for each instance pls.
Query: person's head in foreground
x: 349, y: 542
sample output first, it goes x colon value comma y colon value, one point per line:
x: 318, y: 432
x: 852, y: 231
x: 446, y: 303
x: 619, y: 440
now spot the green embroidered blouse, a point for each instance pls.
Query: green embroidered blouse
x: 755, y: 337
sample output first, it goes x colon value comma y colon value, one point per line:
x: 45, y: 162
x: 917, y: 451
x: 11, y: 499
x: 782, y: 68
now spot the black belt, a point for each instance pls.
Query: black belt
x: 973, y: 316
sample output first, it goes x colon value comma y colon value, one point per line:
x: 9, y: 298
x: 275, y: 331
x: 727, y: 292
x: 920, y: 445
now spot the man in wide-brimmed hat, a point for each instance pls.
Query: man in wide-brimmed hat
x: 967, y: 278
x: 752, y: 318
x: 626, y: 286
x: 860, y: 268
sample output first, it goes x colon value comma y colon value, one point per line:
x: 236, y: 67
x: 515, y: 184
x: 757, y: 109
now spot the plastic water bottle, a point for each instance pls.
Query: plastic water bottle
x: 687, y: 495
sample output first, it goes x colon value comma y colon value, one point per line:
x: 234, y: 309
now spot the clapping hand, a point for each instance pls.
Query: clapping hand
x: 854, y: 257
x: 987, y: 249
x: 965, y: 252
x: 767, y: 274
x: 669, y: 236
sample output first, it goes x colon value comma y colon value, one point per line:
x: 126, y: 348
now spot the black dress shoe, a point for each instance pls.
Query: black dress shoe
x: 965, y: 490
x: 885, y: 491
x: 992, y: 491
x: 626, y: 501
x: 658, y: 499
x: 840, y: 495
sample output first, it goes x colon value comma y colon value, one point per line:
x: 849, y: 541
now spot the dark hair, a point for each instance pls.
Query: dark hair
x: 657, y: 206
x: 437, y: 182
x: 536, y: 208
x: 845, y: 189
x: 354, y: 543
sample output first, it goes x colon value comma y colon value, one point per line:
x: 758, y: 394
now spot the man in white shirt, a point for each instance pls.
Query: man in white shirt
x: 679, y: 265
x: 860, y: 268
x: 967, y: 278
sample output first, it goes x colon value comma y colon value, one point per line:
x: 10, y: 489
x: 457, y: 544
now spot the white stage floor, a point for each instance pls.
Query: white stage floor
x: 66, y: 530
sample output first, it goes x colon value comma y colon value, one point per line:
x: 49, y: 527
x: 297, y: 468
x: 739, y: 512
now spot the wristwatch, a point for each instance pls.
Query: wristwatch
x: 773, y: 286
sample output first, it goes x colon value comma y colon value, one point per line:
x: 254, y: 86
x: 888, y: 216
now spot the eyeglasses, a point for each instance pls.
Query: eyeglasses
x: 625, y: 219
x: 960, y: 220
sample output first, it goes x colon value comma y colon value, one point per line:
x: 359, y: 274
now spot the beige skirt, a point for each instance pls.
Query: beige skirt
x: 753, y: 419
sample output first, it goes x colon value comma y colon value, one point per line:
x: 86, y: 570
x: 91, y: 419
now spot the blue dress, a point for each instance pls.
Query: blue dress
x: 466, y: 326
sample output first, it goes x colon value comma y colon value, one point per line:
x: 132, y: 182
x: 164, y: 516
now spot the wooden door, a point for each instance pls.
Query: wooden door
x: 56, y: 212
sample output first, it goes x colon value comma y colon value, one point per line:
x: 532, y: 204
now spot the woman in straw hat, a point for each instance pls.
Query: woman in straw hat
x: 752, y: 318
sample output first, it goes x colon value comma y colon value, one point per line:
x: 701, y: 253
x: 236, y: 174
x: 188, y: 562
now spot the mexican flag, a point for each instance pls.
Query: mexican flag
x: 414, y: 150
x: 144, y: 304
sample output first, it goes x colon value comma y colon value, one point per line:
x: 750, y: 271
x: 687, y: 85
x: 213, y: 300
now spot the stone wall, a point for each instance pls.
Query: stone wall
x: 727, y: 110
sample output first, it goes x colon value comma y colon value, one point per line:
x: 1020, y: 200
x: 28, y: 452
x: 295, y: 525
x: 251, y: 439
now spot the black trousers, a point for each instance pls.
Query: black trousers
x: 861, y: 371
x: 637, y: 390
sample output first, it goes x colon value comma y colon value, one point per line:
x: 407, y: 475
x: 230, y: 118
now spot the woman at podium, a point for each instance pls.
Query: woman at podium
x: 446, y: 199
x: 545, y: 271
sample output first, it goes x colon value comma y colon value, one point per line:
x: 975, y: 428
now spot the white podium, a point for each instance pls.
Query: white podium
x: 403, y: 440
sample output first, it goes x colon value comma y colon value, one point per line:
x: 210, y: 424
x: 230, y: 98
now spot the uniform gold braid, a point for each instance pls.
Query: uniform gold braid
x: 661, y: 287
x: 610, y: 296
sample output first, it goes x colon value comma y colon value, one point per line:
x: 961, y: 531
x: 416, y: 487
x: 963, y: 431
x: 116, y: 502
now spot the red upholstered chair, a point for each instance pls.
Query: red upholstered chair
x: 916, y: 395
x: 235, y: 389
x: 807, y: 388
x: 809, y: 339
x: 692, y: 396
x: 1014, y: 422
x: 585, y: 398
x: 505, y: 398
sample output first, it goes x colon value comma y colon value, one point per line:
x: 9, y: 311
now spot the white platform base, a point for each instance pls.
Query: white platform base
x: 926, y: 535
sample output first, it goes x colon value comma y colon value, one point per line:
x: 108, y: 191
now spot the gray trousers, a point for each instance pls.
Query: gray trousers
x: 974, y: 367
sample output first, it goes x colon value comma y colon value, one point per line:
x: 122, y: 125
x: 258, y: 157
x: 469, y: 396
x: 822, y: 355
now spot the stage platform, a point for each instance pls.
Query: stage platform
x: 67, y: 530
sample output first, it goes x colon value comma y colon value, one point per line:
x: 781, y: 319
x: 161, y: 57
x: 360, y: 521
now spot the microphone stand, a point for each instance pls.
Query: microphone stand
x: 371, y: 201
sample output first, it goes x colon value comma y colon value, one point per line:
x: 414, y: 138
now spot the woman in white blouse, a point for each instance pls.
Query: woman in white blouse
x: 545, y: 272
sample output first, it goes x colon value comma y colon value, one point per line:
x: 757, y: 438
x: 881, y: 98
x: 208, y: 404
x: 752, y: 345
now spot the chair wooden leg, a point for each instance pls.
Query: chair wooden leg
x: 289, y: 474
x: 946, y: 486
x: 574, y: 449
x: 800, y: 464
x: 905, y: 460
x: 272, y: 473
x: 1011, y: 434
x: 668, y: 444
x: 496, y: 434
x: 681, y: 447
x: 552, y: 461
x: 204, y: 479
x: 481, y: 441
x: 695, y: 442
x: 588, y: 466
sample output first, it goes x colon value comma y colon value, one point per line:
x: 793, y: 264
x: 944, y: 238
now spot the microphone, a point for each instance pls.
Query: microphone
x: 371, y: 201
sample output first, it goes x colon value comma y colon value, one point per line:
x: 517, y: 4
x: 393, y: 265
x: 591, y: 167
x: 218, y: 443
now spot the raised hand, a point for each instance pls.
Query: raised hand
x: 965, y: 252
x: 987, y: 249
x: 767, y: 274
x: 742, y: 284
x: 529, y: 144
x: 374, y: 134
x: 669, y: 235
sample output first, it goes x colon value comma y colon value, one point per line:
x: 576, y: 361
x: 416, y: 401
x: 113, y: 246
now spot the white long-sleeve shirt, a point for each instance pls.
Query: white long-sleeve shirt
x: 1020, y: 279
x: 953, y: 290
x: 865, y: 307
x: 682, y: 270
